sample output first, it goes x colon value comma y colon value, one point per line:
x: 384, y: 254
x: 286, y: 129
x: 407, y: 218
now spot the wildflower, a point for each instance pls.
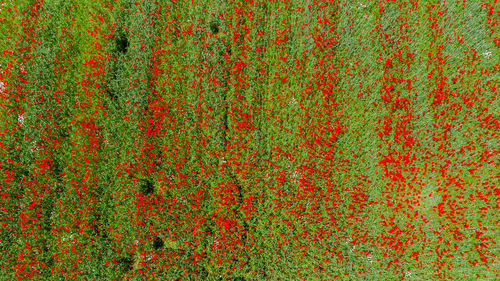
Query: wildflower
x: 293, y: 101
x: 20, y: 119
x: 71, y: 237
x: 171, y: 177
x: 215, y: 241
x: 34, y: 147
x: 487, y: 54
x: 2, y: 86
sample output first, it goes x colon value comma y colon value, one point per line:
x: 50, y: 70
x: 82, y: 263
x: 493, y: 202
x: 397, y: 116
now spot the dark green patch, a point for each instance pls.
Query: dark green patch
x: 214, y: 27
x: 158, y: 243
x: 146, y: 186
x: 122, y: 44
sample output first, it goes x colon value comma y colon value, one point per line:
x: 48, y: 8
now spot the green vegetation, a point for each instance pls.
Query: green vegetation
x: 251, y: 140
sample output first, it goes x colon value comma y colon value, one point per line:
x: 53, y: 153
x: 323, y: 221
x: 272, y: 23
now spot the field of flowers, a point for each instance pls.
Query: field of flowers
x: 249, y: 140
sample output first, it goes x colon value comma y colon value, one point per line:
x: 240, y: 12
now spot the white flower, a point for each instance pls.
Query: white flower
x: 66, y: 237
x: 293, y: 101
x: 487, y: 54
x: 34, y: 148
x: 215, y: 241
x: 20, y: 119
x: 2, y: 86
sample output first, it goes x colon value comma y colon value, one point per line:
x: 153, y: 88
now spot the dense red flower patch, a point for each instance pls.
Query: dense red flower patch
x: 250, y: 140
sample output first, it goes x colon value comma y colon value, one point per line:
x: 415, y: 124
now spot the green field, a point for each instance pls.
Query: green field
x: 250, y: 140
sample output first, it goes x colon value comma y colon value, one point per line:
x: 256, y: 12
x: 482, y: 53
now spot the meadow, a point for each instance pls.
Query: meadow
x: 249, y: 140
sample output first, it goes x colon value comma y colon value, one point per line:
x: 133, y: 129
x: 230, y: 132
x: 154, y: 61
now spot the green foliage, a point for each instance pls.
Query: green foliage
x: 264, y: 140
